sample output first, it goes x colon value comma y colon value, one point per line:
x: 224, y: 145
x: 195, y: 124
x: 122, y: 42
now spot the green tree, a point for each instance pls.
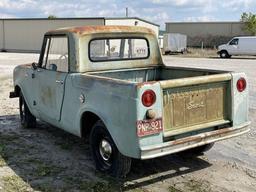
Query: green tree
x: 52, y: 17
x: 249, y: 20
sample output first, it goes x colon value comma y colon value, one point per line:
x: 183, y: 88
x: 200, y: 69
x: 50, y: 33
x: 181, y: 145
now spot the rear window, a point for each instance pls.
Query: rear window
x: 118, y: 49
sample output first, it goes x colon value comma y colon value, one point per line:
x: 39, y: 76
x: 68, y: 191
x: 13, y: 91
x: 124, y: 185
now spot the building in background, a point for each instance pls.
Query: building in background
x: 133, y: 21
x: 26, y: 35
x: 208, y: 34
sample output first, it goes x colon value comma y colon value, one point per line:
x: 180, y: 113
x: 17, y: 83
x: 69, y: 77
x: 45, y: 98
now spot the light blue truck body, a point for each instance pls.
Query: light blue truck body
x: 111, y: 91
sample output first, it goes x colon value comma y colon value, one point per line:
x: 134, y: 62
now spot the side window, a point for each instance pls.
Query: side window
x: 234, y: 42
x: 56, y: 54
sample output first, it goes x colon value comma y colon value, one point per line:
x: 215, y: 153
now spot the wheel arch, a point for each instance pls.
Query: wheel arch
x: 88, y: 119
x: 92, y: 117
x: 224, y: 50
x: 18, y: 90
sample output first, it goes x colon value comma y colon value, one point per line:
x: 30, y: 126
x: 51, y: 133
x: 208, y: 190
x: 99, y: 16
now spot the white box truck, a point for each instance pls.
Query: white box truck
x: 238, y: 46
x: 174, y: 43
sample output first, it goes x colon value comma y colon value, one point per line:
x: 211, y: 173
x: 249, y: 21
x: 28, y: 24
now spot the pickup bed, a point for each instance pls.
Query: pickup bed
x: 109, y: 83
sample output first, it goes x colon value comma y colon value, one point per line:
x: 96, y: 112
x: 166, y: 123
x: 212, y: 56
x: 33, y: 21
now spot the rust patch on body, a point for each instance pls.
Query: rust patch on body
x: 82, y: 30
x: 139, y: 85
x: 202, y: 136
x: 27, y: 65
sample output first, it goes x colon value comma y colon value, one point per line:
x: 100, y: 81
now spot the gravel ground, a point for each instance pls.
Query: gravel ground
x: 48, y: 159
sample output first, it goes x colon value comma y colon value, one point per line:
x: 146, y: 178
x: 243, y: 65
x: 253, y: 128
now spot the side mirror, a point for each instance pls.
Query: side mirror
x: 34, y: 65
x: 53, y: 67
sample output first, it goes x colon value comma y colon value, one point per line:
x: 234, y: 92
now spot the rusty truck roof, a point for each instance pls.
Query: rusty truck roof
x: 84, y: 30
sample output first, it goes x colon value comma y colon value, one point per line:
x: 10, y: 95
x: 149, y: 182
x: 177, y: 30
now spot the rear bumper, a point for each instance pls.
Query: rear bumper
x: 170, y: 147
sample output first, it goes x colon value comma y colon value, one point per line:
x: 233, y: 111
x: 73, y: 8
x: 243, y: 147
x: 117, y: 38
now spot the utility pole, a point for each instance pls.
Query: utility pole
x: 126, y: 11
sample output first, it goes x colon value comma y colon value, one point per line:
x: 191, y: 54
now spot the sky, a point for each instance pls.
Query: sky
x: 156, y: 11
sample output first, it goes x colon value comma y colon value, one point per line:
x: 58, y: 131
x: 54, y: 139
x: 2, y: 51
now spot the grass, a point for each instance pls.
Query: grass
x: 96, y: 187
x: 82, y: 184
x: 8, y: 138
x: 198, y: 186
x: 3, y: 153
x: 42, y: 168
x: 198, y: 53
x: 47, y: 170
x: 173, y: 189
x: 64, y: 144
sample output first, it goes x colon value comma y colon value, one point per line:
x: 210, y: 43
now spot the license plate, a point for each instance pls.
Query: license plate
x: 149, y: 127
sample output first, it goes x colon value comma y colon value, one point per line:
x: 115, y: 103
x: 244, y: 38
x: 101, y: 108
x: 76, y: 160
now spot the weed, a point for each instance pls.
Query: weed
x: 64, y: 145
x: 95, y: 187
x: 198, y: 186
x: 45, y: 187
x: 173, y: 189
x: 44, y: 169
x: 2, y: 161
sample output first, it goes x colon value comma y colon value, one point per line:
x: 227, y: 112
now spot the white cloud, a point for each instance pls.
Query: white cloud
x: 238, y: 4
x: 157, y: 11
x: 199, y: 19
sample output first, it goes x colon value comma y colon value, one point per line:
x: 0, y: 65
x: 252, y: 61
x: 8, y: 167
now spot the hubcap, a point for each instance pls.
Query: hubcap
x: 223, y: 54
x: 105, y: 149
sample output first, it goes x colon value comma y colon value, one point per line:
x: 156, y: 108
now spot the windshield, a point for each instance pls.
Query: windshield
x: 118, y: 49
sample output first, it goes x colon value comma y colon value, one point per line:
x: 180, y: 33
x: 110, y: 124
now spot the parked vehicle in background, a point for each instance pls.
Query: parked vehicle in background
x: 109, y: 83
x: 174, y: 43
x: 238, y: 46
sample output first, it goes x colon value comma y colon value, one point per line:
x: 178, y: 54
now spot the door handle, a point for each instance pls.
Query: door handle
x: 60, y: 81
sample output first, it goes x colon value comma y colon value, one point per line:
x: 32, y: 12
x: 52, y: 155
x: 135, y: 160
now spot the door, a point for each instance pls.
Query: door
x: 233, y: 46
x: 50, y: 77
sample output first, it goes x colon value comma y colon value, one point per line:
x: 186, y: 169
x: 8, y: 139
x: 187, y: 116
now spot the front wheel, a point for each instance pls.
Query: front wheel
x: 224, y: 54
x: 106, y: 156
x: 26, y: 118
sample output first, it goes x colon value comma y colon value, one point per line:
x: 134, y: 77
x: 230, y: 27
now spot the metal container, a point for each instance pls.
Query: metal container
x: 174, y: 42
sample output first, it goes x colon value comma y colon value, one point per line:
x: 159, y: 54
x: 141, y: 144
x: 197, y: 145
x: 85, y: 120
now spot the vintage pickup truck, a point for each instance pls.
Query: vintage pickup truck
x: 109, y: 83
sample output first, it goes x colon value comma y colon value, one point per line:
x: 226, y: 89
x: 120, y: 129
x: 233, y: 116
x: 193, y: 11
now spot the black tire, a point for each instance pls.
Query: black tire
x: 224, y: 54
x: 199, y: 150
x: 115, y: 163
x: 26, y: 118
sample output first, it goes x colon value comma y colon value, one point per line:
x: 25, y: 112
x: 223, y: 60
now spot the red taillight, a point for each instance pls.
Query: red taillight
x: 148, y: 98
x: 241, y: 84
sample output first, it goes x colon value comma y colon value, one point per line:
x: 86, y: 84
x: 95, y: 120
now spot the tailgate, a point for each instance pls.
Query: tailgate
x: 196, y: 103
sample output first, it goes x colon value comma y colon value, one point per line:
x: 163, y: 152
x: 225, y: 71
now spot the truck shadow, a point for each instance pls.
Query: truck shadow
x: 48, y: 159
x: 147, y: 172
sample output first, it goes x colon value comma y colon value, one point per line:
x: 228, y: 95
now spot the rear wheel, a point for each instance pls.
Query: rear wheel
x: 106, y: 156
x: 224, y: 54
x: 26, y: 118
